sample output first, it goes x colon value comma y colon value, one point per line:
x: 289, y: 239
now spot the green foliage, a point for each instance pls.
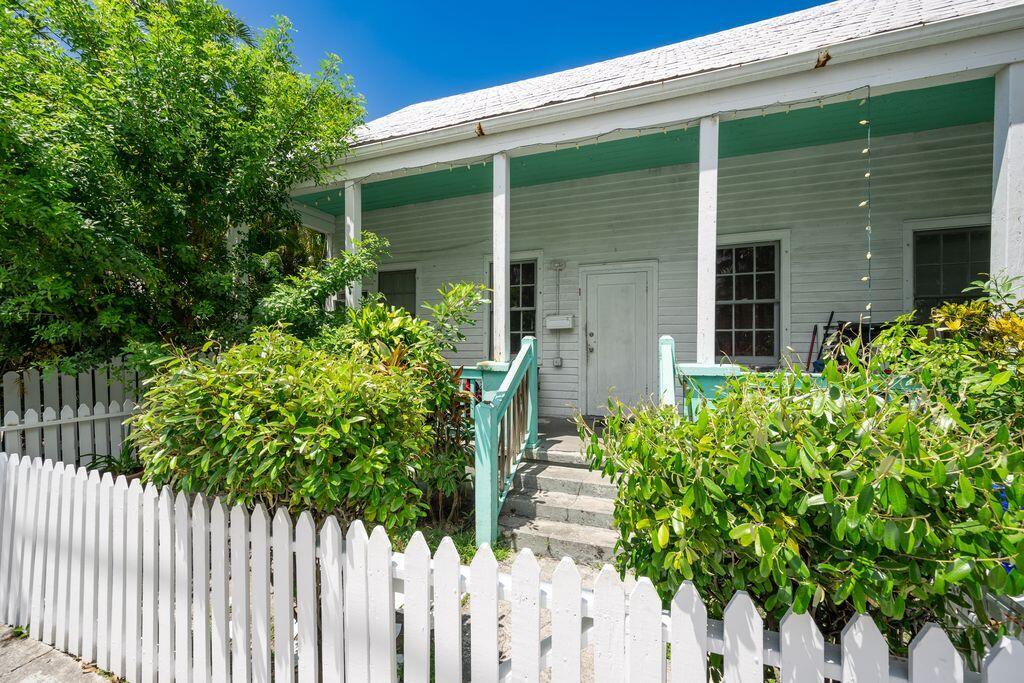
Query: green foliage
x: 125, y: 462
x: 282, y: 422
x: 298, y: 300
x: 147, y: 150
x: 893, y: 484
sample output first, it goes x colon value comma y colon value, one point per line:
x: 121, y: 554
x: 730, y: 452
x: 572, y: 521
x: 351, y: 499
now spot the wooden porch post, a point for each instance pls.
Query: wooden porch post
x: 353, y: 232
x: 1007, y: 250
x: 500, y: 257
x: 707, y: 230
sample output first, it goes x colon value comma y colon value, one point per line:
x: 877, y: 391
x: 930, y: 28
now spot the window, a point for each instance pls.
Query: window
x: 398, y: 288
x: 945, y: 262
x: 522, y: 300
x: 747, y: 302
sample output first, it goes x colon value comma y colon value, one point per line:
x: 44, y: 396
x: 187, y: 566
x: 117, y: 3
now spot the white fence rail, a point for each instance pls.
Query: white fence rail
x: 152, y: 586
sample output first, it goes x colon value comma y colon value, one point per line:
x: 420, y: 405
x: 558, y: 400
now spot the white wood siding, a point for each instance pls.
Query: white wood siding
x: 813, y: 192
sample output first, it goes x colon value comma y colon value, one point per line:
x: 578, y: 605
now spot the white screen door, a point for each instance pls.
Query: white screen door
x: 618, y: 336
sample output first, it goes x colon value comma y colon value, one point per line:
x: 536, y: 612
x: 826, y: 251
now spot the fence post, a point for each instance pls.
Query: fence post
x: 532, y: 379
x: 485, y: 464
x: 667, y: 370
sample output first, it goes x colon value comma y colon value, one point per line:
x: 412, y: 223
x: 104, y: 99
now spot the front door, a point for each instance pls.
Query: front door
x: 618, y: 336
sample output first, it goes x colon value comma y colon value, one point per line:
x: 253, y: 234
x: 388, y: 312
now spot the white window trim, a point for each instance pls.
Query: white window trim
x: 529, y: 255
x: 398, y: 265
x: 585, y: 269
x: 781, y: 236
x: 911, y: 226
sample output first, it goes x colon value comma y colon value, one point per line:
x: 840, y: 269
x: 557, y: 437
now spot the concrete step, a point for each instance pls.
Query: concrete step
x: 537, y: 476
x: 561, y: 507
x: 558, y: 457
x: 585, y: 544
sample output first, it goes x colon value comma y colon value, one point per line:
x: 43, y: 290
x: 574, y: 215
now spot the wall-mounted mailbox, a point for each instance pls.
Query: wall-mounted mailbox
x: 560, y: 322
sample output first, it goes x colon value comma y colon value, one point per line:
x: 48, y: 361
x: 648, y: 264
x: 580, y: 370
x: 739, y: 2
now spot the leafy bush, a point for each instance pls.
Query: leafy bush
x: 280, y: 421
x: 893, y: 484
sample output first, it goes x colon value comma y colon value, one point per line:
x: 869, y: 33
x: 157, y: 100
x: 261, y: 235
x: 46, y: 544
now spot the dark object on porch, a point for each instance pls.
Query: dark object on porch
x: 839, y: 333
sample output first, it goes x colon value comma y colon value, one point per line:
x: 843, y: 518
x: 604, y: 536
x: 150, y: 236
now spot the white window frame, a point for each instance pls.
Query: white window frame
x: 529, y: 255
x: 915, y: 225
x: 398, y: 265
x: 781, y: 235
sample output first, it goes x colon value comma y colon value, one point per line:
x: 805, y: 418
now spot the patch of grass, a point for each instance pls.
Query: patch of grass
x: 19, y: 632
x: 464, y: 538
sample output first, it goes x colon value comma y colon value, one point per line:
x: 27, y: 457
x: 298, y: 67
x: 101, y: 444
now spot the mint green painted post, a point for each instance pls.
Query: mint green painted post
x: 485, y: 482
x: 532, y: 438
x: 667, y: 370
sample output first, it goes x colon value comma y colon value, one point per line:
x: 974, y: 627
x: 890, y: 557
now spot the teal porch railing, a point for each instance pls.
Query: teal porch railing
x: 705, y: 380
x: 505, y: 423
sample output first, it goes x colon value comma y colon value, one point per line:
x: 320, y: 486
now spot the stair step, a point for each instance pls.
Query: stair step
x: 584, y: 544
x: 561, y: 507
x: 559, y: 457
x: 536, y: 476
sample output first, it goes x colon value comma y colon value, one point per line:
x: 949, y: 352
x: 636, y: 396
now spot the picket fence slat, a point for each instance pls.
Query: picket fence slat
x: 447, y: 613
x: 483, y: 627
x: 284, y: 621
x: 332, y: 602
x: 182, y: 588
x: 566, y: 619
x: 259, y: 541
x: 305, y: 598
x: 357, y: 628
x: 201, y: 590
x: 220, y: 654
x: 609, y: 627
x: 160, y: 586
x: 241, y: 665
x: 150, y: 583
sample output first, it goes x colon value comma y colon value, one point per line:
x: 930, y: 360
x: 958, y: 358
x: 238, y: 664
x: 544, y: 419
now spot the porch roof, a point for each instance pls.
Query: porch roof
x: 812, y: 29
x: 895, y: 113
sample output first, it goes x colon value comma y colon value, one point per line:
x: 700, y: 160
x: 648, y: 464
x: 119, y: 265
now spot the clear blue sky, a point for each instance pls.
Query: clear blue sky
x: 403, y: 52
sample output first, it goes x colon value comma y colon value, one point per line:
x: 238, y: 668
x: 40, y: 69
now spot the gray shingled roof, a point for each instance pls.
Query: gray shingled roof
x: 810, y: 29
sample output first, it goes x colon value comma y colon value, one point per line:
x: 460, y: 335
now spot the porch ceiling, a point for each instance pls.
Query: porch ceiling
x: 902, y: 112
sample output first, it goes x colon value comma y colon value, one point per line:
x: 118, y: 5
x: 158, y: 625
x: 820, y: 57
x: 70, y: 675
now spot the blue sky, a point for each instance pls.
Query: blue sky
x: 403, y: 52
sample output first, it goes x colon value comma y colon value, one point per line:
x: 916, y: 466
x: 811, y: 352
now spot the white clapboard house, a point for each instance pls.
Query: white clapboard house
x: 712, y: 190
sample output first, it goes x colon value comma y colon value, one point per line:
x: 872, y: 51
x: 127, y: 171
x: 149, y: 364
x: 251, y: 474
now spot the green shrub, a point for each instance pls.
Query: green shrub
x: 893, y: 485
x: 282, y: 422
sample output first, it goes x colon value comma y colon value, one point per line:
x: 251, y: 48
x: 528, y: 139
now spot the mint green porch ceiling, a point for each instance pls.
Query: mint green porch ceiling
x: 904, y: 112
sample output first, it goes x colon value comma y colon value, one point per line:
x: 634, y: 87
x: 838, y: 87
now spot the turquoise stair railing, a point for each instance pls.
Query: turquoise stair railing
x: 505, y: 421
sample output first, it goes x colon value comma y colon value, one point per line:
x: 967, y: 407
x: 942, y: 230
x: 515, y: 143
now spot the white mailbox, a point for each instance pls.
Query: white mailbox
x: 560, y: 322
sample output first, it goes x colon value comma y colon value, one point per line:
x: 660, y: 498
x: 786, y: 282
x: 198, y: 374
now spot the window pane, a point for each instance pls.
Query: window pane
x: 516, y: 343
x: 515, y: 273
x: 765, y: 258
x: 515, y: 323
x: 723, y: 287
x: 527, y: 300
x: 980, y: 248
x: 724, y: 342
x: 744, y: 316
x: 513, y: 297
x: 744, y: 287
x: 744, y: 259
x: 528, y: 322
x: 764, y: 316
x: 723, y: 317
x: 744, y: 344
x: 764, y: 343
x: 766, y: 286
x: 724, y: 262
x: 398, y: 287
x: 928, y: 280
x: 927, y: 248
x: 956, y: 247
x: 955, y: 277
x: 528, y: 271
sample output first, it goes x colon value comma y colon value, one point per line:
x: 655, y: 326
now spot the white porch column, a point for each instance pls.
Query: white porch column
x: 707, y: 235
x: 1007, y: 253
x: 353, y: 231
x: 500, y: 256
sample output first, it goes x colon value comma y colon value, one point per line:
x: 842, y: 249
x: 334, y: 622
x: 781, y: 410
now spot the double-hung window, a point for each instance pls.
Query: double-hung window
x: 522, y: 300
x: 398, y: 288
x: 945, y: 262
x: 747, y: 303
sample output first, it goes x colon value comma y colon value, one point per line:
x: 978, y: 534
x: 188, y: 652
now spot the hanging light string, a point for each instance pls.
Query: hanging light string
x: 866, y: 203
x: 619, y: 133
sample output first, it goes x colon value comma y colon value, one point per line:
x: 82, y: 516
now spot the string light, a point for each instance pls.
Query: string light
x: 866, y: 204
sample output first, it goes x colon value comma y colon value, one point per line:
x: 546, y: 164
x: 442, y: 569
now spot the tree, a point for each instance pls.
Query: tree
x: 147, y: 150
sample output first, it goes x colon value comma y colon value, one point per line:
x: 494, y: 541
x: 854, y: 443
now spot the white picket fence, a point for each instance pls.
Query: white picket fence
x: 153, y: 586
x: 35, y: 390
